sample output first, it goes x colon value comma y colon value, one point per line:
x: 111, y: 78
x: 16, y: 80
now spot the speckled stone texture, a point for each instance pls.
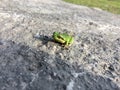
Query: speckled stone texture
x: 31, y: 60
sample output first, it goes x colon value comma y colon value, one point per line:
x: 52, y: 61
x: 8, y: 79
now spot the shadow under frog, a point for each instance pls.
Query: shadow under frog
x: 44, y: 38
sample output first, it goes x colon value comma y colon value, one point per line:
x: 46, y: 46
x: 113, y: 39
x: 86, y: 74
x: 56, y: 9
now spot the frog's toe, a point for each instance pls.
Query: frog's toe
x: 66, y: 48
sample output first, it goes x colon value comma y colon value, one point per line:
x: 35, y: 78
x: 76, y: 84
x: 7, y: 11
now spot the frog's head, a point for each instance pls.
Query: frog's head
x: 55, y: 34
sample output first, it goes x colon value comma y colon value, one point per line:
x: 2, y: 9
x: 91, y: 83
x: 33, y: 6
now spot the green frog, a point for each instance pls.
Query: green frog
x: 63, y: 38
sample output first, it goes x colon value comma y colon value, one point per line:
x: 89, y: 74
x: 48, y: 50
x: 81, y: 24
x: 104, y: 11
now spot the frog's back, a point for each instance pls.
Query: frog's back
x: 65, y: 36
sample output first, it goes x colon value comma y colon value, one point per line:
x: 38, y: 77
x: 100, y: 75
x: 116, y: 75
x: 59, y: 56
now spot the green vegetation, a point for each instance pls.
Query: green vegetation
x: 109, y: 5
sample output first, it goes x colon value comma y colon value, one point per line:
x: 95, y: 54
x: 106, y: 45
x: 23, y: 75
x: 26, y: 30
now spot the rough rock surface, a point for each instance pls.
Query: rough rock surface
x: 31, y: 60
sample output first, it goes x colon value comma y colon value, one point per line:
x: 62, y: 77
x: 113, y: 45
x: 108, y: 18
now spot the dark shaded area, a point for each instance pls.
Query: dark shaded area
x: 25, y: 68
x: 44, y: 38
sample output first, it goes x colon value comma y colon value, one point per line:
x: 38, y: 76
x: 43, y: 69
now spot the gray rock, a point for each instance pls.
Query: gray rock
x: 31, y: 60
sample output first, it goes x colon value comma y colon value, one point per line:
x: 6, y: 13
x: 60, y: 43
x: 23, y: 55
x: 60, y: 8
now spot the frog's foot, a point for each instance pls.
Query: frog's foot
x: 63, y: 45
x: 66, y: 47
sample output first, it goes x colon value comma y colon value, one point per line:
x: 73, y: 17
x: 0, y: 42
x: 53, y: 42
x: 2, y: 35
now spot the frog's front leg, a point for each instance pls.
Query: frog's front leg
x: 66, y: 44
